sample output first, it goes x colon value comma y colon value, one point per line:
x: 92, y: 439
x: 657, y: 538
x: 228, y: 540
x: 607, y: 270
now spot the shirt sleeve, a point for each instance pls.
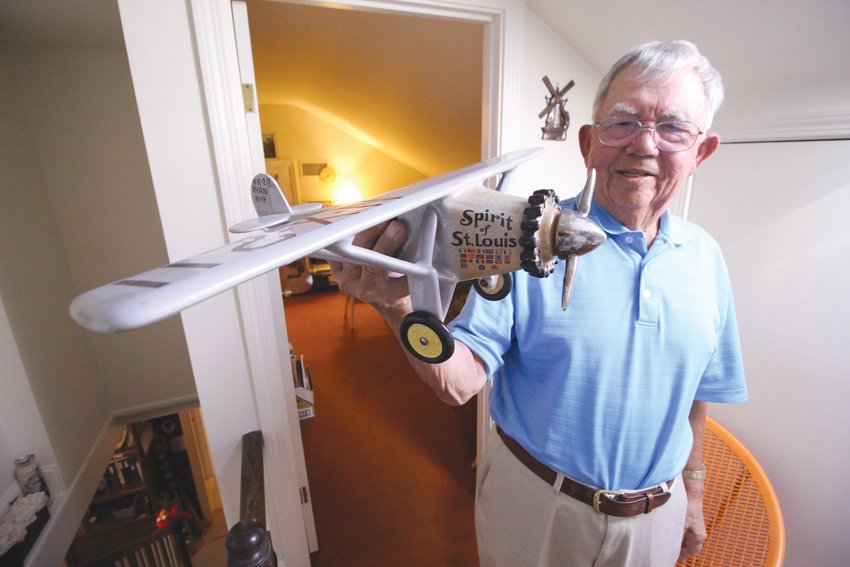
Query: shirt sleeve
x: 724, y: 379
x: 486, y: 328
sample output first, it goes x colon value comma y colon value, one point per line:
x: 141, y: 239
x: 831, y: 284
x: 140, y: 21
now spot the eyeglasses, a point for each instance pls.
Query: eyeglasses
x: 669, y: 136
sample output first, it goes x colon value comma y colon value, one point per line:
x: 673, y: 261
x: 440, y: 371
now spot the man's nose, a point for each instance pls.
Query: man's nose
x: 644, y: 142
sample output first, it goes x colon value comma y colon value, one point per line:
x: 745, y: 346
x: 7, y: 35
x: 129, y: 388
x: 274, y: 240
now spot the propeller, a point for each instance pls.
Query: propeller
x: 550, y: 233
x: 576, y: 236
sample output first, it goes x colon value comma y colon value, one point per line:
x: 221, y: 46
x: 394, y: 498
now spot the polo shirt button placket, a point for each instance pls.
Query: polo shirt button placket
x: 649, y: 309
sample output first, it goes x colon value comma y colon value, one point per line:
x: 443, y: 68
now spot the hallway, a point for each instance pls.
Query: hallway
x: 390, y: 467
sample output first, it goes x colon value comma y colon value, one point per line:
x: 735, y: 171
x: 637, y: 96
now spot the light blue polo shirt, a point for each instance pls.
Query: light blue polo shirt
x: 602, y: 391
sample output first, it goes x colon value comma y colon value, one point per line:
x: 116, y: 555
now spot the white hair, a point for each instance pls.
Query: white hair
x: 659, y: 58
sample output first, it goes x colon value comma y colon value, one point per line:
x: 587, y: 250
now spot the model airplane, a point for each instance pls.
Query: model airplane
x: 458, y: 230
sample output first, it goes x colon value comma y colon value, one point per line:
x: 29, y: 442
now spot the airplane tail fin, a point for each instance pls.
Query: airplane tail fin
x: 271, y: 206
x: 268, y: 197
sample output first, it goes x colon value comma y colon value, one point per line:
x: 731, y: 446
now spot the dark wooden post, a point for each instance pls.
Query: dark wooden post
x: 248, y: 542
x: 252, y: 502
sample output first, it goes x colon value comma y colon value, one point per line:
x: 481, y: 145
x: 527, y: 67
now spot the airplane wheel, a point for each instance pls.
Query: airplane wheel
x: 426, y: 337
x: 499, y: 290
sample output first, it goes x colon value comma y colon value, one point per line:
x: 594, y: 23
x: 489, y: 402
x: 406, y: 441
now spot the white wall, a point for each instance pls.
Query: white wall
x: 52, y: 404
x: 76, y: 210
x: 544, y: 53
x: 21, y: 429
x: 779, y: 211
x: 49, y: 360
x: 81, y: 108
x: 82, y: 202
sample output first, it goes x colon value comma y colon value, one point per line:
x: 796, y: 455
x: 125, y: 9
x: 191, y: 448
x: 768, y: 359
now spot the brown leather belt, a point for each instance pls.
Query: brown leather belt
x: 611, y: 502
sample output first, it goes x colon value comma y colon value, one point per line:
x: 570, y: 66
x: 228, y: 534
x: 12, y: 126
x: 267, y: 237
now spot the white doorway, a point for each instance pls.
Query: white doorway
x: 381, y: 99
x: 237, y: 157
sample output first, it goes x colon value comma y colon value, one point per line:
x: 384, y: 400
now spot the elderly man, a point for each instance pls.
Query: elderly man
x: 600, y: 409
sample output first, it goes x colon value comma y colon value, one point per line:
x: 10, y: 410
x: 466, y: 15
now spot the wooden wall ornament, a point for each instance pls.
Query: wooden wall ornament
x: 557, y: 117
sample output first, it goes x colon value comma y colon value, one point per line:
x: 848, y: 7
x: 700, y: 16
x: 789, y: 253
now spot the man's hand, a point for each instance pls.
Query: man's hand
x: 695, y: 534
x: 389, y: 295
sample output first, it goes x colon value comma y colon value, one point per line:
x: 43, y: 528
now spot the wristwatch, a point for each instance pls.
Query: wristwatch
x: 695, y: 475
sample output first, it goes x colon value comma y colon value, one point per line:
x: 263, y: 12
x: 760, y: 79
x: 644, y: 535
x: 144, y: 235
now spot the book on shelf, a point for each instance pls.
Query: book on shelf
x: 304, y: 395
x: 306, y: 406
x: 123, y: 472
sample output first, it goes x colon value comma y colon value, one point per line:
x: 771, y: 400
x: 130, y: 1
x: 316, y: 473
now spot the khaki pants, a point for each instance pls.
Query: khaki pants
x: 521, y: 521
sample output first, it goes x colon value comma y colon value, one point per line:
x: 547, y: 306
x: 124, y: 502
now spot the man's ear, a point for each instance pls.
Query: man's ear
x: 707, y: 147
x: 585, y: 137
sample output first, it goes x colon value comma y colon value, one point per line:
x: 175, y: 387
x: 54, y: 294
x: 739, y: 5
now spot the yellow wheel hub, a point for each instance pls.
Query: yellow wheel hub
x: 500, y: 283
x: 424, y: 341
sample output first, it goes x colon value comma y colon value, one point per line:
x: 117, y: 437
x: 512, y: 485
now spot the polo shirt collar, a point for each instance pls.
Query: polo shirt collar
x: 676, y: 229
x: 672, y: 228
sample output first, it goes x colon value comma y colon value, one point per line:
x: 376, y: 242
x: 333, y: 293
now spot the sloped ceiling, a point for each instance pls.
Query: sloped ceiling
x: 410, y: 86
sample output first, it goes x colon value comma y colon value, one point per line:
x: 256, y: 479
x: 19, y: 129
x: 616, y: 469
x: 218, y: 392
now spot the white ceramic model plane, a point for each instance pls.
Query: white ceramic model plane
x: 458, y: 230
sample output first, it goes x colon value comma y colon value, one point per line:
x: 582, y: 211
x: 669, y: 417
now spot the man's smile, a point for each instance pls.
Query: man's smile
x: 633, y: 173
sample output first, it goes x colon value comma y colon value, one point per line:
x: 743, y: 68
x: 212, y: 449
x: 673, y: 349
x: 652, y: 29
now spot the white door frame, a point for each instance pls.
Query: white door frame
x: 263, y: 324
x: 263, y: 328
x: 503, y: 21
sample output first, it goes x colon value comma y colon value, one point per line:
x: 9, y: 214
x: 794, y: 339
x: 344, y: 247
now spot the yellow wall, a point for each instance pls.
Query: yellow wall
x: 306, y: 135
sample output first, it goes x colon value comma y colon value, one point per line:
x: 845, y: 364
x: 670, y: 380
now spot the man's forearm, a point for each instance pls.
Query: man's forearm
x: 695, y: 533
x: 454, y: 381
x: 697, y: 416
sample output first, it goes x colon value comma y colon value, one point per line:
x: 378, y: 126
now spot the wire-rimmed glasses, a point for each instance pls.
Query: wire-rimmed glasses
x: 669, y: 135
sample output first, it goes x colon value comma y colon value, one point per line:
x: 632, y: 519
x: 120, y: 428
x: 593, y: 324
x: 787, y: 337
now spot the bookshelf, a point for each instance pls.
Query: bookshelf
x: 123, y: 491
x: 124, y: 505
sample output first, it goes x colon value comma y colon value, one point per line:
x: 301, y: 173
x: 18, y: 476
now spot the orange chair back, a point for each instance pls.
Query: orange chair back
x: 742, y: 514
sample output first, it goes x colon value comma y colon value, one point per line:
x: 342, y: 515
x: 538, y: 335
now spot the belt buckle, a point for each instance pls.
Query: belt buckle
x: 598, y: 495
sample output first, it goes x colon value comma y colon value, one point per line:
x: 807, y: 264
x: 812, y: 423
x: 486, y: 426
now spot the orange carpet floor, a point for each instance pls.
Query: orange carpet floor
x: 390, y: 467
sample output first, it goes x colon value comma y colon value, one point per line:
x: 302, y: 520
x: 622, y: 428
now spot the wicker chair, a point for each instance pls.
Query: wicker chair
x: 742, y: 514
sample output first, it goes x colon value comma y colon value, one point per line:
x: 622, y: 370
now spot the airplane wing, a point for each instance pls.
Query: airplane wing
x: 159, y: 293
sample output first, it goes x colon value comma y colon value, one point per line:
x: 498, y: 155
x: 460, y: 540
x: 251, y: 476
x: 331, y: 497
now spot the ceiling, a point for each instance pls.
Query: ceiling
x: 401, y: 81
x: 764, y: 49
x: 414, y: 81
x: 90, y: 24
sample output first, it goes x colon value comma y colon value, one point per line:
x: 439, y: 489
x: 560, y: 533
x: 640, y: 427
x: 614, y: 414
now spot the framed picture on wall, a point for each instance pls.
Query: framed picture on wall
x: 269, y: 146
